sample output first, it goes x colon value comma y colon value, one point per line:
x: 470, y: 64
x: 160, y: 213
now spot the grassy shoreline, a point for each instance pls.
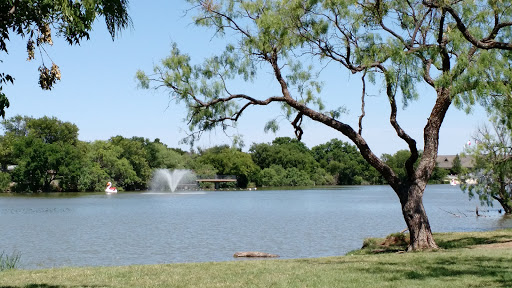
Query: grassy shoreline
x: 472, y: 259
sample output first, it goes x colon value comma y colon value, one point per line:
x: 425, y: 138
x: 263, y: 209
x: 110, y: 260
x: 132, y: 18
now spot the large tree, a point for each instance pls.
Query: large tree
x: 458, y: 48
x: 37, y: 20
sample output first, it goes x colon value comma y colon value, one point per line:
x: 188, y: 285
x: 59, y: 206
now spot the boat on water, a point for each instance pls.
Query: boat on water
x: 454, y: 182
x: 110, y: 189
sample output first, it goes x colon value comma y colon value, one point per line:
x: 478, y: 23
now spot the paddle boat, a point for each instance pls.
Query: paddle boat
x: 454, y: 182
x: 110, y: 189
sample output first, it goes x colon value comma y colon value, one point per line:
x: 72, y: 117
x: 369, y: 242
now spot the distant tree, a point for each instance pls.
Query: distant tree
x: 160, y: 156
x: 133, y: 151
x: 40, y: 164
x: 492, y: 167
x: 438, y: 175
x: 204, y: 171
x: 6, y: 150
x: 456, y: 165
x: 46, y: 153
x: 283, y: 151
x: 5, y: 182
x: 16, y: 125
x: 92, y: 177
x: 106, y: 157
x: 34, y: 20
x: 345, y: 163
x: 296, y: 177
x: 230, y: 161
x: 397, y: 163
x: 52, y: 130
x: 321, y: 177
x: 272, y: 176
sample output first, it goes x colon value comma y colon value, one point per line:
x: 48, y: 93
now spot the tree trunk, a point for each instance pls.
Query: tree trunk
x: 416, y: 218
x: 505, y: 204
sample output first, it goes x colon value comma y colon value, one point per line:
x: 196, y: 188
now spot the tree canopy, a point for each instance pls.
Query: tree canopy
x: 47, y: 156
x: 460, y: 49
x: 38, y: 20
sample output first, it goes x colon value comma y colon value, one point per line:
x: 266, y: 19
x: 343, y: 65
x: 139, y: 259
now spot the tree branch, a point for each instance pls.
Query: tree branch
x: 485, y: 43
x: 409, y: 165
x: 363, y: 94
x: 296, y: 125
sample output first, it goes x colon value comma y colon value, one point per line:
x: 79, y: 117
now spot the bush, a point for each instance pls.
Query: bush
x: 5, y: 182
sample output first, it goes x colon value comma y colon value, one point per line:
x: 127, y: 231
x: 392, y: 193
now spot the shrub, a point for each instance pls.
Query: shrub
x: 5, y: 182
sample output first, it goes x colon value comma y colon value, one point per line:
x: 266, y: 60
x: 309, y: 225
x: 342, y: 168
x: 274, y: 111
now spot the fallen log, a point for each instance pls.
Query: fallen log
x: 254, y: 254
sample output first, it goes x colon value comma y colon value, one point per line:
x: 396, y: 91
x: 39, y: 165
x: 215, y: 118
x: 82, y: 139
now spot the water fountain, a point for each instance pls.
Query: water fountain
x: 165, y: 179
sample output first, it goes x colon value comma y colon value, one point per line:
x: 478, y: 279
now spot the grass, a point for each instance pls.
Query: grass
x: 398, y: 242
x: 8, y: 262
x: 460, y: 264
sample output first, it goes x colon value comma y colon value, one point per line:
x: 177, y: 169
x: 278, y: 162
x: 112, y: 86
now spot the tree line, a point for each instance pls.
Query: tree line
x: 45, y: 154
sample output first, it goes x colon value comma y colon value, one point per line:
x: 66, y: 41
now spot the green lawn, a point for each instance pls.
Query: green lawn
x: 459, y: 264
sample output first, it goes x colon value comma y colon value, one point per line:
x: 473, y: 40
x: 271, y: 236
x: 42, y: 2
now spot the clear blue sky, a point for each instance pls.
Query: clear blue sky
x: 98, y: 91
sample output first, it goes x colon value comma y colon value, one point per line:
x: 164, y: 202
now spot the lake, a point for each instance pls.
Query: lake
x: 87, y: 229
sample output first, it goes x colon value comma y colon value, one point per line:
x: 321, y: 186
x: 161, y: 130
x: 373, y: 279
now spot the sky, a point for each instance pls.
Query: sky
x: 98, y: 91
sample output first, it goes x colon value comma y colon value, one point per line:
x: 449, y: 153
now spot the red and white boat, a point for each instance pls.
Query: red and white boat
x: 110, y: 189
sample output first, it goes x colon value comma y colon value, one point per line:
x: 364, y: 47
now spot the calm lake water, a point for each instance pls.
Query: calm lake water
x: 150, y: 228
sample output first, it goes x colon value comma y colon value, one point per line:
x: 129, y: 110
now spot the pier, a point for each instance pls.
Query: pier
x: 217, y: 179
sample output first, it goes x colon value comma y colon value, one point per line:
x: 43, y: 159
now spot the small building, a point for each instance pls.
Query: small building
x: 446, y: 161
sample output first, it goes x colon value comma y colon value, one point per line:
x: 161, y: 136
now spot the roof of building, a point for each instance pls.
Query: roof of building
x: 446, y: 161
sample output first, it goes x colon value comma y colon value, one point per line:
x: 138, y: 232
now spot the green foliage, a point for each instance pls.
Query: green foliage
x: 230, y: 161
x: 92, y: 177
x: 397, y: 162
x: 284, y: 151
x: 49, y: 157
x: 46, y: 152
x: 52, y: 130
x: 492, y: 169
x: 438, y: 175
x: 456, y: 165
x: 272, y: 176
x: 133, y: 151
x: 321, y: 177
x: 160, y: 156
x: 344, y: 162
x: 5, y: 182
x: 296, y: 177
x: 109, y: 158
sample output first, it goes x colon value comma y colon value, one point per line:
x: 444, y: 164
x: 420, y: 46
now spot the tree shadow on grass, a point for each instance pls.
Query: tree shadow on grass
x: 392, y: 245
x: 49, y: 286
x: 495, y: 271
x: 34, y: 286
x: 465, y: 242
